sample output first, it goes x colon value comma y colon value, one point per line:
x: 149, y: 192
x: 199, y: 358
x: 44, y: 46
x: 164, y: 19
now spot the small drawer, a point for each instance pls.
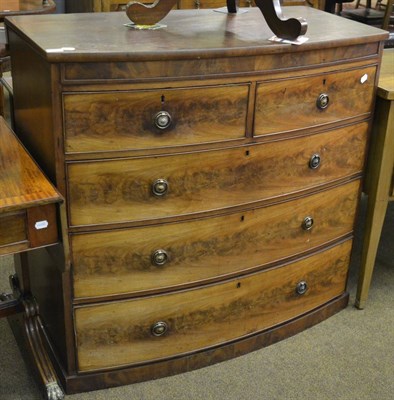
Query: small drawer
x: 103, y: 192
x: 159, y: 118
x: 27, y: 229
x: 13, y: 235
x: 189, y: 253
x: 114, y: 334
x: 299, y: 103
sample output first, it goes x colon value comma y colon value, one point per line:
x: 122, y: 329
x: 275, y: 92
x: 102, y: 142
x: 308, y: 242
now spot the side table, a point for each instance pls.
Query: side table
x: 379, y: 176
x: 27, y: 220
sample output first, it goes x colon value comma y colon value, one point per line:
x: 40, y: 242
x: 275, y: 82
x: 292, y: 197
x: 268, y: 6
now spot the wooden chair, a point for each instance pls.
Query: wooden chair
x: 380, y: 16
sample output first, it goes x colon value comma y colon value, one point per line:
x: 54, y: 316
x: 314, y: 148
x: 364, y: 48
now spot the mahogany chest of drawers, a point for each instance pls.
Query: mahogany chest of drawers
x: 211, y: 181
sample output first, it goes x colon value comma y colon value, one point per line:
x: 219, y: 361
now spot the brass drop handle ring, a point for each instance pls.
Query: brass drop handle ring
x: 301, y: 287
x: 159, y: 328
x: 159, y: 257
x: 307, y: 223
x: 322, y: 101
x: 160, y: 187
x: 315, y: 161
x: 162, y: 120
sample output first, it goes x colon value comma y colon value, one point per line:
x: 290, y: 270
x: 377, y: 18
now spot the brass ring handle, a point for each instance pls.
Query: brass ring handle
x: 159, y: 328
x: 301, y: 287
x: 315, y: 161
x: 159, y: 257
x: 322, y: 101
x: 307, y: 223
x: 162, y: 120
x: 160, y: 187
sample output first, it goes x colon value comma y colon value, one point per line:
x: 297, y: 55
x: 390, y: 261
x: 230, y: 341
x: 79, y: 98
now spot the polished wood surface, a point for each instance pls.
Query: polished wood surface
x: 12, y: 228
x: 120, y: 261
x: 22, y: 184
x: 173, y: 70
x: 245, y: 35
x: 120, y: 333
x: 112, y: 191
x: 148, y: 14
x: 121, y: 121
x: 227, y: 183
x: 27, y: 212
x: 27, y: 198
x: 277, y: 102
x: 380, y: 174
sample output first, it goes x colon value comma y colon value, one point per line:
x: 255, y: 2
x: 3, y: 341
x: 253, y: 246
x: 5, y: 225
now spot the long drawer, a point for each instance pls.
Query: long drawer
x: 113, y: 334
x: 103, y: 192
x: 106, y: 121
x: 293, y: 104
x: 163, y: 256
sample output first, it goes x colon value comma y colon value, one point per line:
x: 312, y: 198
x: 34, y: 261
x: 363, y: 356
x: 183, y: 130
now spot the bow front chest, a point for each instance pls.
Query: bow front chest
x: 211, y: 180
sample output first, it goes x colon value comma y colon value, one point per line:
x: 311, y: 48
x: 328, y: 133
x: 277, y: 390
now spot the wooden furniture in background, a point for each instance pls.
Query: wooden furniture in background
x: 26, y: 7
x: 27, y: 205
x: 379, y: 177
x: 380, y: 16
x: 74, y: 6
x: 211, y: 180
x: 289, y: 28
x: 16, y: 7
x: 120, y: 5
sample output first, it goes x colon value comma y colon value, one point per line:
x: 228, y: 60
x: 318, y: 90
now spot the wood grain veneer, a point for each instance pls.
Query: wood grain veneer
x: 237, y: 161
x: 110, y: 191
x: 125, y: 120
x: 120, y: 333
x: 279, y: 101
x: 116, y: 262
x: 26, y: 198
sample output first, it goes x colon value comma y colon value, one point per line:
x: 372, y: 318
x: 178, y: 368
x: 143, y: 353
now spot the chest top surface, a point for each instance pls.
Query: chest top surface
x: 188, y: 34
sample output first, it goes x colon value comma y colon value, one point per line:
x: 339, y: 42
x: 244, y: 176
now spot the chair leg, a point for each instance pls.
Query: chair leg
x: 387, y: 14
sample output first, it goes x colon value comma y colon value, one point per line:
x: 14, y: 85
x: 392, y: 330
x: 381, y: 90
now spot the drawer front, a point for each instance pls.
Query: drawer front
x: 293, y: 104
x: 139, y: 119
x: 32, y: 227
x: 122, y: 190
x: 157, y: 257
x: 13, y: 236
x: 121, y: 333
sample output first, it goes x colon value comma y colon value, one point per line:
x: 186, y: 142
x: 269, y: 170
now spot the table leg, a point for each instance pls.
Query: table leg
x: 380, y: 169
x: 28, y: 327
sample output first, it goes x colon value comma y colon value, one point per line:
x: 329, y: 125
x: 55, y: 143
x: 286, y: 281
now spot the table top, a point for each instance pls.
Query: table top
x: 189, y: 34
x: 25, y: 7
x: 22, y: 184
x: 386, y: 78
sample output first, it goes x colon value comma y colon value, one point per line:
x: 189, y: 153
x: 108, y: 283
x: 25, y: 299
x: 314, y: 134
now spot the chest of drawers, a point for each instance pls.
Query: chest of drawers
x: 211, y: 181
